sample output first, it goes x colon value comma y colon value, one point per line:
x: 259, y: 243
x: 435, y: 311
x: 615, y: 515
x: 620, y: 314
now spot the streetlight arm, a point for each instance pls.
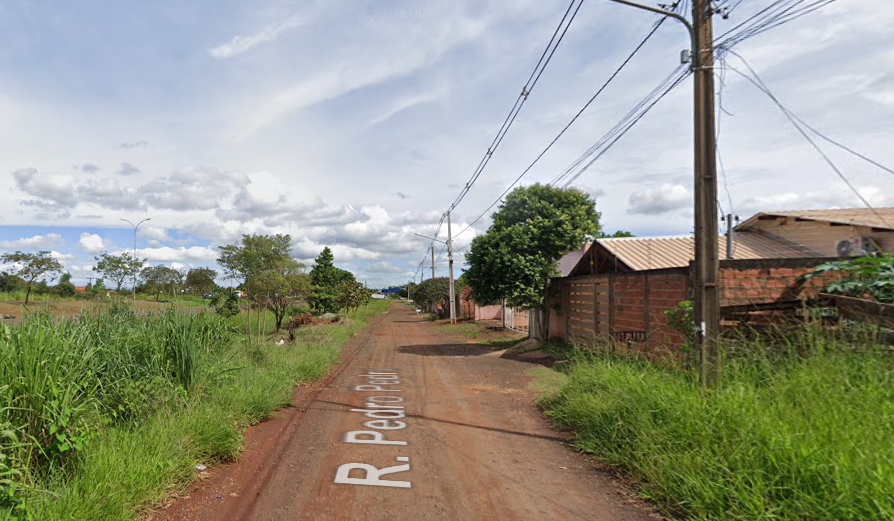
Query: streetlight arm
x: 430, y: 238
x: 671, y: 14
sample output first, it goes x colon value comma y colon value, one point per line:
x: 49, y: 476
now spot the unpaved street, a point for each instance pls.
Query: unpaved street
x: 460, y: 420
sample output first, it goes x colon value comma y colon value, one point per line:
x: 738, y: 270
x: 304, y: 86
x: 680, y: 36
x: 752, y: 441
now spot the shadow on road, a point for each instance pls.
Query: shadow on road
x: 449, y: 349
x: 563, y: 439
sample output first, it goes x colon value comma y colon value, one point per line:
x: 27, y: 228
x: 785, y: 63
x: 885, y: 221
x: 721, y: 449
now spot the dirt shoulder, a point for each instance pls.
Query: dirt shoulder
x: 468, y: 443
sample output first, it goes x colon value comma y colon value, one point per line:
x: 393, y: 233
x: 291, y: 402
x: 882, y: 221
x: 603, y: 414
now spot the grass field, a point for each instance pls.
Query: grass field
x: 104, y: 415
x: 788, y: 437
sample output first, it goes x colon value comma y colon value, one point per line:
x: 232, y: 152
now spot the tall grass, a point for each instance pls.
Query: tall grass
x: 103, y: 415
x: 800, y: 431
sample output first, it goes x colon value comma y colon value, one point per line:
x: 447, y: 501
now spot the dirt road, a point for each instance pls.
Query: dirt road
x: 449, y: 432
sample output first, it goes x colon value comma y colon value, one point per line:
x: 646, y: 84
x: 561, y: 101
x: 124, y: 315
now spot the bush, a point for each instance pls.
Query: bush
x: 225, y: 302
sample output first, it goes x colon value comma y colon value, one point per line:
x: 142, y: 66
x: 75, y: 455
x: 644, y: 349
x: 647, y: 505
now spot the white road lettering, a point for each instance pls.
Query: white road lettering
x: 385, y: 419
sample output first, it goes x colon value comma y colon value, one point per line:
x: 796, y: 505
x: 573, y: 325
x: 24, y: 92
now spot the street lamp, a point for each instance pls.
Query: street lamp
x: 134, y: 285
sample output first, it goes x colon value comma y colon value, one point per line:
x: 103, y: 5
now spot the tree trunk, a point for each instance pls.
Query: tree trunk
x: 541, y: 315
x: 258, y: 338
x: 265, y: 318
x: 28, y: 294
x: 248, y: 321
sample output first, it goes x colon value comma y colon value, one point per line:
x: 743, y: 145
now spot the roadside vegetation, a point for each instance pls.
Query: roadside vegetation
x: 103, y: 415
x: 801, y: 428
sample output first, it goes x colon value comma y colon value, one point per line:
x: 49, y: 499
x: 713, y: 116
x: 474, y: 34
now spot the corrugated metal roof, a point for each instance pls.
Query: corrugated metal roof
x: 647, y: 253
x: 875, y: 218
x: 570, y: 259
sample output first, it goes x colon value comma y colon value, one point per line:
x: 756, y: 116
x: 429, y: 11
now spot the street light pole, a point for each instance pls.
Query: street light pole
x: 134, y: 284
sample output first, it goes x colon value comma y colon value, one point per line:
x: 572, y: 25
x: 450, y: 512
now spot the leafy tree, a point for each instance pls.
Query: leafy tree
x: 281, y: 287
x: 531, y: 231
x: 225, y: 302
x: 432, y: 292
x: 617, y: 235
x: 118, y: 268
x: 351, y: 295
x: 408, y: 290
x: 255, y: 254
x: 65, y: 288
x: 31, y: 266
x: 266, y: 269
x: 160, y: 279
x: 10, y: 282
x: 326, y: 279
x: 200, y: 280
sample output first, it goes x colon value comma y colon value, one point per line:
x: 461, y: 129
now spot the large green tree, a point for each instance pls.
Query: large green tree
x: 160, y: 279
x: 32, y: 266
x: 327, y: 279
x: 118, y: 268
x: 531, y: 230
x: 200, y: 280
x: 432, y: 292
x: 263, y: 264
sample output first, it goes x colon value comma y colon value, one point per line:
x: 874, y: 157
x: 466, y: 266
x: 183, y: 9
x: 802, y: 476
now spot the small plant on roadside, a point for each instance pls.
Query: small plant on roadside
x: 863, y: 277
x: 682, y: 319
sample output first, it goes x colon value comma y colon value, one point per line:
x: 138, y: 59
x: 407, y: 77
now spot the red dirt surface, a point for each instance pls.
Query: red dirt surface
x: 478, y: 447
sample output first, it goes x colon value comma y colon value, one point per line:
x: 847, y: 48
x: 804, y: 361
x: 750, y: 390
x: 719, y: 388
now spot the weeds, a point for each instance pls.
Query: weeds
x: 101, y: 415
x: 800, y: 430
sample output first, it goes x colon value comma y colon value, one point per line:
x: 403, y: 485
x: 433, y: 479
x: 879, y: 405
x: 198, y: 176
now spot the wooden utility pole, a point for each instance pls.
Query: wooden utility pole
x: 707, y: 263
x: 450, y: 271
x: 433, y: 260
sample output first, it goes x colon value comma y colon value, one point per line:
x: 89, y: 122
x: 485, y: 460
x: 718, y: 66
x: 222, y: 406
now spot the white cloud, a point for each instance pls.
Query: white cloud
x: 155, y: 232
x: 655, y: 201
x: 56, y: 188
x: 239, y: 44
x: 37, y: 242
x: 180, y: 254
x: 92, y: 243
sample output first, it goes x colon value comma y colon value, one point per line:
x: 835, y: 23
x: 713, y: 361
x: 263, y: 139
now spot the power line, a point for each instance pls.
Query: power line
x: 759, y: 83
x: 620, y: 133
x: 568, y: 125
x: 616, y: 128
x: 542, y: 63
x: 776, y: 14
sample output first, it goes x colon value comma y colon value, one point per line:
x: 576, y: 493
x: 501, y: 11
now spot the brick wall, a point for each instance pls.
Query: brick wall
x: 633, y: 317
x: 635, y: 313
x: 760, y: 281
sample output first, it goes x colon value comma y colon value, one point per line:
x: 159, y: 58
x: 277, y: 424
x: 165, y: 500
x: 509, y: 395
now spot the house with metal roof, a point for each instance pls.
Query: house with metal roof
x: 829, y: 233
x: 767, y: 235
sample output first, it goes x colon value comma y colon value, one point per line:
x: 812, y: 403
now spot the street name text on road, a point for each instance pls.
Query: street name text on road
x: 385, y: 417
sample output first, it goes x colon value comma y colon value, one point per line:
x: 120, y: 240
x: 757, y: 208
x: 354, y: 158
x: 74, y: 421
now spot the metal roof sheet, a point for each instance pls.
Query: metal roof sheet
x: 570, y: 259
x: 645, y: 253
x: 875, y: 217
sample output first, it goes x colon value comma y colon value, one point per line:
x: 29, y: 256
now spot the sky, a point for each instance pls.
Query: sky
x: 354, y: 124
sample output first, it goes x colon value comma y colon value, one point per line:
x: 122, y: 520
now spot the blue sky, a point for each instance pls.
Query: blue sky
x: 354, y: 124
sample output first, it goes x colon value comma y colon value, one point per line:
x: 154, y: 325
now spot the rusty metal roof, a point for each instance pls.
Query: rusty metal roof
x: 875, y: 218
x: 570, y: 259
x: 646, y: 253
